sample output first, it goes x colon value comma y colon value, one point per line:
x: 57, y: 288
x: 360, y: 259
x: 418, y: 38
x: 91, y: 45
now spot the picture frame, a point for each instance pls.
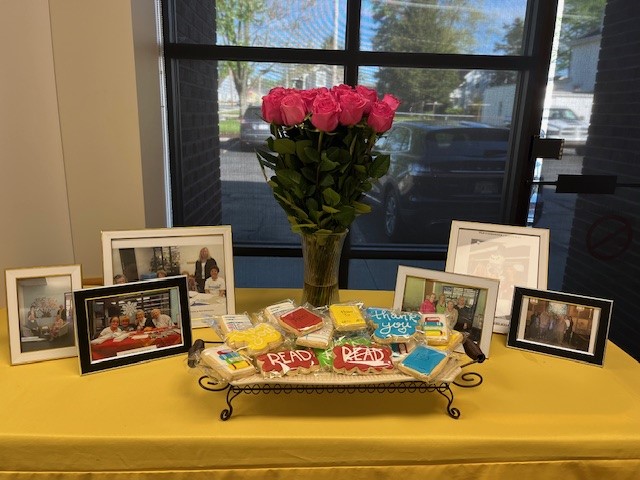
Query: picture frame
x: 516, y: 256
x: 414, y: 286
x: 40, y: 312
x: 141, y: 254
x: 111, y: 333
x: 560, y: 324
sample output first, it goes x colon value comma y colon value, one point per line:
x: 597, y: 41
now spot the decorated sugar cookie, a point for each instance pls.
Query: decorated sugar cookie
x: 300, y: 321
x: 393, y: 327
x: 318, y: 339
x: 435, y: 329
x: 424, y: 363
x: 360, y: 359
x: 229, y: 323
x: 347, y: 318
x: 273, y: 312
x: 229, y: 364
x: 288, y: 362
x: 256, y: 340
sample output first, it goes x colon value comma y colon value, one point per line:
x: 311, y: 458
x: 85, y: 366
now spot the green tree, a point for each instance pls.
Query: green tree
x: 250, y: 23
x: 423, y: 26
x: 580, y: 18
x: 511, y: 44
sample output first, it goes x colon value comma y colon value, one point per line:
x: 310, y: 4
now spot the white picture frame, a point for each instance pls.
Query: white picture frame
x: 40, y: 312
x: 413, y: 285
x: 516, y: 256
x: 136, y: 254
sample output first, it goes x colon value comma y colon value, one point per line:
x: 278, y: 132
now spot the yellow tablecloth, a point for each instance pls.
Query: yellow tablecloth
x: 533, y: 417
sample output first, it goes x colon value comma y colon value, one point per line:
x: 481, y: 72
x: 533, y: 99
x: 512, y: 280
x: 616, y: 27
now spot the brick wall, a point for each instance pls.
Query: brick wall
x: 604, y: 253
x: 199, y: 168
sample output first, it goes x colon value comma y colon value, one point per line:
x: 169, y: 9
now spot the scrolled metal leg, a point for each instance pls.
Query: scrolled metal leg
x: 447, y: 393
x: 232, y: 393
x: 469, y: 380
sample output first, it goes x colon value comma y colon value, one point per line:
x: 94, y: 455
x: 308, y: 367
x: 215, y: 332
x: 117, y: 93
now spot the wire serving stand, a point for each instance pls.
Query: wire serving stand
x: 334, y: 383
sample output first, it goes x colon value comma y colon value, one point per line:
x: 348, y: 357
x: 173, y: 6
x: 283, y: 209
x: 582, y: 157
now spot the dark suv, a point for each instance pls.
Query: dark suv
x: 254, y: 131
x: 438, y: 174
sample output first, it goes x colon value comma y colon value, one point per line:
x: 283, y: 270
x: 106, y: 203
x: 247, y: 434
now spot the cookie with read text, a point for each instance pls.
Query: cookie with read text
x: 362, y: 360
x: 288, y: 362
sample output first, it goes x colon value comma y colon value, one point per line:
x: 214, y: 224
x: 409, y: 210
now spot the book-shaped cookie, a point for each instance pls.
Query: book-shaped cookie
x: 300, y: 320
x: 229, y: 323
x: 273, y: 312
x: 347, y: 318
x: 257, y: 340
x: 288, y: 362
x: 318, y: 339
x: 227, y: 363
x: 435, y: 328
x: 393, y: 327
x: 423, y: 363
x: 362, y: 360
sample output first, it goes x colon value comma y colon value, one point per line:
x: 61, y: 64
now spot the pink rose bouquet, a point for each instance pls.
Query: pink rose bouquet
x: 321, y: 152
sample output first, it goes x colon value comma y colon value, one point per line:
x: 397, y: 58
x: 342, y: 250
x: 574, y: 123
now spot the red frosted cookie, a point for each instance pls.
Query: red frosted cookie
x: 300, y: 321
x: 361, y: 359
x: 288, y: 362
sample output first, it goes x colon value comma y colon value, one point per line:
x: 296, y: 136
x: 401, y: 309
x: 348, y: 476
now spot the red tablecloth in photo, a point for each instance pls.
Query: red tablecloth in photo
x: 159, y: 338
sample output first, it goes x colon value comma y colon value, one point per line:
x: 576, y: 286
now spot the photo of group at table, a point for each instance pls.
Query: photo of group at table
x: 563, y: 325
x: 463, y: 306
x: 132, y: 323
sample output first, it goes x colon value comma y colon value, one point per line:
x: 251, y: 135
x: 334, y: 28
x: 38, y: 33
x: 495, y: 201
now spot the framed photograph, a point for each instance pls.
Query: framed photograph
x: 516, y: 256
x: 202, y: 254
x: 40, y: 312
x: 560, y: 324
x: 468, y: 302
x: 131, y: 323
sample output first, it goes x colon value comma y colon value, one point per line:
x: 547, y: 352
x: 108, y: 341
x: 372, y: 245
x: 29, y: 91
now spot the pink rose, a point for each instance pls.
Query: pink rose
x: 310, y: 95
x: 325, y: 112
x: 369, y: 94
x: 352, y: 107
x: 380, y: 117
x: 341, y: 89
x: 271, y: 105
x: 293, y: 109
x: 392, y: 101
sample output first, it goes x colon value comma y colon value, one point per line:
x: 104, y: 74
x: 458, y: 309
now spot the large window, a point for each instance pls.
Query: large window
x: 470, y: 76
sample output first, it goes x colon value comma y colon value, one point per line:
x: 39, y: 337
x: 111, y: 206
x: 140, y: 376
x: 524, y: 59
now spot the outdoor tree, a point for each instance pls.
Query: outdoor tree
x: 256, y: 23
x: 580, y: 18
x: 511, y: 44
x: 422, y: 26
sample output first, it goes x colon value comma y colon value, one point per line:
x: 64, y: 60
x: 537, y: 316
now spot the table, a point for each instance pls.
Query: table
x: 533, y: 417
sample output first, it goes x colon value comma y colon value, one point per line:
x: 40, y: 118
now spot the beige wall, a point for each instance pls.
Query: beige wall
x: 71, y: 154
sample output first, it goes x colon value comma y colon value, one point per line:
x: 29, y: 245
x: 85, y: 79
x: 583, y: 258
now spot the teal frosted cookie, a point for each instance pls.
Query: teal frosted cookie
x: 393, y: 327
x: 423, y: 363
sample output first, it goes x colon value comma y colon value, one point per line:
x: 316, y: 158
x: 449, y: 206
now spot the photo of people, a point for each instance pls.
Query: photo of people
x: 463, y: 306
x: 134, y: 323
x: 201, y: 259
x: 45, y: 312
x: 561, y: 325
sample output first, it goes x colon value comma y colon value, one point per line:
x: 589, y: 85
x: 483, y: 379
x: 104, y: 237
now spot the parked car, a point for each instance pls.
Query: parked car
x: 437, y: 174
x: 564, y: 123
x: 254, y: 131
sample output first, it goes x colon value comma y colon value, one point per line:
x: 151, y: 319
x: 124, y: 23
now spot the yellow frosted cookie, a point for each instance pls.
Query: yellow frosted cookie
x: 255, y: 341
x: 347, y: 318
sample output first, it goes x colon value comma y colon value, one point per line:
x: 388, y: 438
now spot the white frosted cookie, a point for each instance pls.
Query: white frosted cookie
x: 229, y: 323
x: 318, y: 339
x: 227, y: 363
x: 273, y: 312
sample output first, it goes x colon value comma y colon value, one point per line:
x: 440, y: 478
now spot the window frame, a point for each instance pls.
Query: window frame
x: 532, y: 66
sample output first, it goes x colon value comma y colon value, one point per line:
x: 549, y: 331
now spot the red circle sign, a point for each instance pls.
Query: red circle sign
x: 609, y: 237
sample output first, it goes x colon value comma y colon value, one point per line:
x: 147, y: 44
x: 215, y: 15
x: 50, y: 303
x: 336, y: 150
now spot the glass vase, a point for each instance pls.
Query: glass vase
x: 321, y: 254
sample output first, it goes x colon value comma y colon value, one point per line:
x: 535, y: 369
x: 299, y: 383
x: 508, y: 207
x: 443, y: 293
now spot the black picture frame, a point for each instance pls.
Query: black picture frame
x: 95, y: 305
x: 560, y: 324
